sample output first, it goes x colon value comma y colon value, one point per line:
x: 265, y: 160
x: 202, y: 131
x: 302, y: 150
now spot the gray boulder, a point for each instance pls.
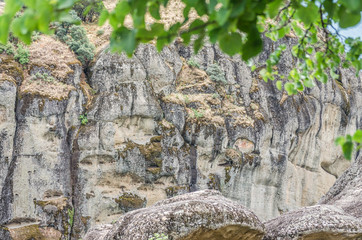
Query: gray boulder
x: 338, y: 215
x: 346, y: 193
x: 315, y: 222
x: 198, y: 215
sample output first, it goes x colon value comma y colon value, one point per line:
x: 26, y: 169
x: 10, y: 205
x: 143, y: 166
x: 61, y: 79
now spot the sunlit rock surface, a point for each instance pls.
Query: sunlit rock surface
x: 158, y: 128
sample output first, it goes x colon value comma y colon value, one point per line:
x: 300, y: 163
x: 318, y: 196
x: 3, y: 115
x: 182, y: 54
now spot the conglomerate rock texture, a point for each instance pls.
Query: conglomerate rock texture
x: 157, y: 128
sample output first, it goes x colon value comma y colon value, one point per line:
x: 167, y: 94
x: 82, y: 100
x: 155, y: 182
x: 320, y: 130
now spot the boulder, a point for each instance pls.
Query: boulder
x: 315, y: 222
x: 346, y: 193
x: 198, y: 215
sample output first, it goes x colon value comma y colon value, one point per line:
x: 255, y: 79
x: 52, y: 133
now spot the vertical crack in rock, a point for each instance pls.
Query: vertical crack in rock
x: 7, y: 197
x: 76, y: 188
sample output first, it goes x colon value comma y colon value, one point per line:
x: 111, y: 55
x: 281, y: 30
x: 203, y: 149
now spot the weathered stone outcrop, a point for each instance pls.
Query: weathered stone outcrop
x: 337, y: 215
x: 158, y: 128
x: 35, y: 144
x: 199, y: 215
x: 316, y: 222
x: 346, y: 193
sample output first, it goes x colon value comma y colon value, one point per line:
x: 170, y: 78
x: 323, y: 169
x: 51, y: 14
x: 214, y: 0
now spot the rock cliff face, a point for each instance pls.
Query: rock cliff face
x: 158, y: 127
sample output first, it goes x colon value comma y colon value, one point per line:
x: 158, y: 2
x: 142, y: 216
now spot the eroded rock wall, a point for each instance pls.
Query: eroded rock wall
x: 158, y: 127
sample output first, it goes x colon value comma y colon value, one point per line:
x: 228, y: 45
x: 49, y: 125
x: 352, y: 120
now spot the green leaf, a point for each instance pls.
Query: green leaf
x: 323, y: 78
x: 147, y: 35
x: 161, y: 42
x: 197, y: 26
x: 30, y: 3
x: 348, y: 19
x: 283, y: 31
x: 253, y: 45
x: 352, y: 5
x: 222, y: 15
x: 123, y: 39
x: 238, y: 9
x: 299, y: 86
x: 154, y: 11
x: 230, y: 43
x: 340, y: 141
x: 65, y: 4
x: 200, y: 7
x: 333, y: 74
x: 186, y: 37
x: 214, y: 34
x: 308, y: 83
x: 103, y: 17
x: 347, y: 149
x: 120, y: 12
x: 330, y: 7
x: 273, y: 8
x: 298, y: 30
x: 4, y: 28
x: 357, y: 137
x: 11, y: 7
x: 290, y: 88
x: 211, y: 6
x: 279, y: 85
x: 199, y: 43
x: 307, y: 14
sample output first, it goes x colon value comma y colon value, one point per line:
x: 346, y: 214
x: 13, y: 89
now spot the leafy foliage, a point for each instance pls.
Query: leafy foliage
x: 8, y: 48
x: 197, y: 114
x: 22, y: 54
x: 76, y: 38
x: 158, y: 236
x: 36, y: 16
x: 71, y: 216
x: 216, y: 74
x: 83, y: 119
x: 79, y: 43
x: 43, y: 76
x: 350, y: 143
x: 193, y: 63
x: 88, y: 10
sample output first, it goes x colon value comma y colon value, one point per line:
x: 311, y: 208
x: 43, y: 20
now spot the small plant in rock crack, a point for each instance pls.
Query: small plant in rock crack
x: 193, y: 63
x: 187, y: 100
x: 83, y: 119
x: 197, y: 114
x: 158, y: 236
x: 215, y: 95
x: 43, y: 76
x: 22, y: 54
x: 216, y: 74
x: 71, y: 216
x: 8, y: 48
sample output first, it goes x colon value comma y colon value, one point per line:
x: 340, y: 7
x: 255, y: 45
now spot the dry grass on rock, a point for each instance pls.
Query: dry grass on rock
x: 52, y: 55
x: 55, y: 57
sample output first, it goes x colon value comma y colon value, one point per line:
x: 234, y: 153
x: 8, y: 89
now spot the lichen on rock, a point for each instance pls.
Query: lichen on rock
x: 199, y: 215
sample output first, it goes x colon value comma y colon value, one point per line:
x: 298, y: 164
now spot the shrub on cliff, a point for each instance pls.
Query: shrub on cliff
x: 76, y: 38
x: 22, y: 54
x: 8, y: 48
x: 88, y: 10
x: 80, y: 45
x: 216, y: 74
